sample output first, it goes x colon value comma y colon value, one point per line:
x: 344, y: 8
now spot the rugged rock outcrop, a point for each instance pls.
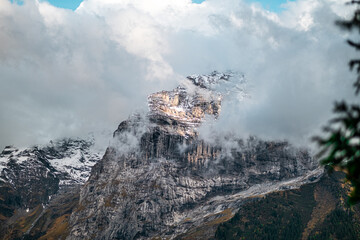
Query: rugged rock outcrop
x: 159, y: 179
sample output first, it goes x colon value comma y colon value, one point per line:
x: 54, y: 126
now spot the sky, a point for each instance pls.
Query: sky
x: 67, y: 72
x: 69, y: 4
x: 271, y: 5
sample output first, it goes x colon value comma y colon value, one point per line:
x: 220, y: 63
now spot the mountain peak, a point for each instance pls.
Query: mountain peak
x: 183, y: 109
x: 214, y: 78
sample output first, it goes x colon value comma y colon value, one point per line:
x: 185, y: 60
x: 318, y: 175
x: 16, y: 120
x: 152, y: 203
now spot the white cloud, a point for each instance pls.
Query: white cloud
x: 66, y: 73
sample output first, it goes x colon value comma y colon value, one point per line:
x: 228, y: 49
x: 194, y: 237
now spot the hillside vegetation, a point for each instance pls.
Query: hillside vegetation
x: 315, y: 211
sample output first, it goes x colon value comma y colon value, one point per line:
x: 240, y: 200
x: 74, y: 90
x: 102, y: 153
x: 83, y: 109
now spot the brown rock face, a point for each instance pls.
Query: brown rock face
x: 182, y: 109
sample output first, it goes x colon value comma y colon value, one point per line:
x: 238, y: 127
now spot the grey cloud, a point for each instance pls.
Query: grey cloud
x: 66, y: 73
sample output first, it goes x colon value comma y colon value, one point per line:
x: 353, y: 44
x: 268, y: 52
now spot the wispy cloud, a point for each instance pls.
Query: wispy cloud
x: 66, y: 73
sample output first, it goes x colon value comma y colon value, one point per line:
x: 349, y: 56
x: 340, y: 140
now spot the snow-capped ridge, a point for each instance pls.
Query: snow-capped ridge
x: 70, y: 160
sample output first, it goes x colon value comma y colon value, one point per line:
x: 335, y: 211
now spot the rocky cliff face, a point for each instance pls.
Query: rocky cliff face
x: 159, y: 179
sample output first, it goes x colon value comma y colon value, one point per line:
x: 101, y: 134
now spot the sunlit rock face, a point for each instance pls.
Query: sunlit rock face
x: 159, y: 179
x: 179, y: 110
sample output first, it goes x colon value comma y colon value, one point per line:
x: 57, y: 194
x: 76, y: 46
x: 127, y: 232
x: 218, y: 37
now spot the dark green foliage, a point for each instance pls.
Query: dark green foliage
x: 278, y: 216
x: 341, y: 149
x: 338, y: 225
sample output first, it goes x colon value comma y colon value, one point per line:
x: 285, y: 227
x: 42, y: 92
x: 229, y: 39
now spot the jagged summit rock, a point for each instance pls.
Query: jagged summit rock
x: 180, y: 112
x: 214, y: 78
x: 184, y: 108
x: 159, y: 179
x: 8, y: 150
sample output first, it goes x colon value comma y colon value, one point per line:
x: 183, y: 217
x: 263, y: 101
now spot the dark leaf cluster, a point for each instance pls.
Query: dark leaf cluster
x: 341, y: 149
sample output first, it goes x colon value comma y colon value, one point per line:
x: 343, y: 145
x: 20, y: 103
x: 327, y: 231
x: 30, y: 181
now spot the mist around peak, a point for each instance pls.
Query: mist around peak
x: 66, y: 73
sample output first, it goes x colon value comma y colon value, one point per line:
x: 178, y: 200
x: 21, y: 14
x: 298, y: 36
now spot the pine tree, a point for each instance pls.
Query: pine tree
x: 341, y: 149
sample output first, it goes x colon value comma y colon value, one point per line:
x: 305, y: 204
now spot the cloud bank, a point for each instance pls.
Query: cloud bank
x: 66, y: 73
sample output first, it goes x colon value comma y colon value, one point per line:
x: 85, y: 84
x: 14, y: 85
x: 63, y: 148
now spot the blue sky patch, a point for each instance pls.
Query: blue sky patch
x: 19, y: 2
x: 69, y: 4
x: 271, y: 5
x: 198, y: 1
